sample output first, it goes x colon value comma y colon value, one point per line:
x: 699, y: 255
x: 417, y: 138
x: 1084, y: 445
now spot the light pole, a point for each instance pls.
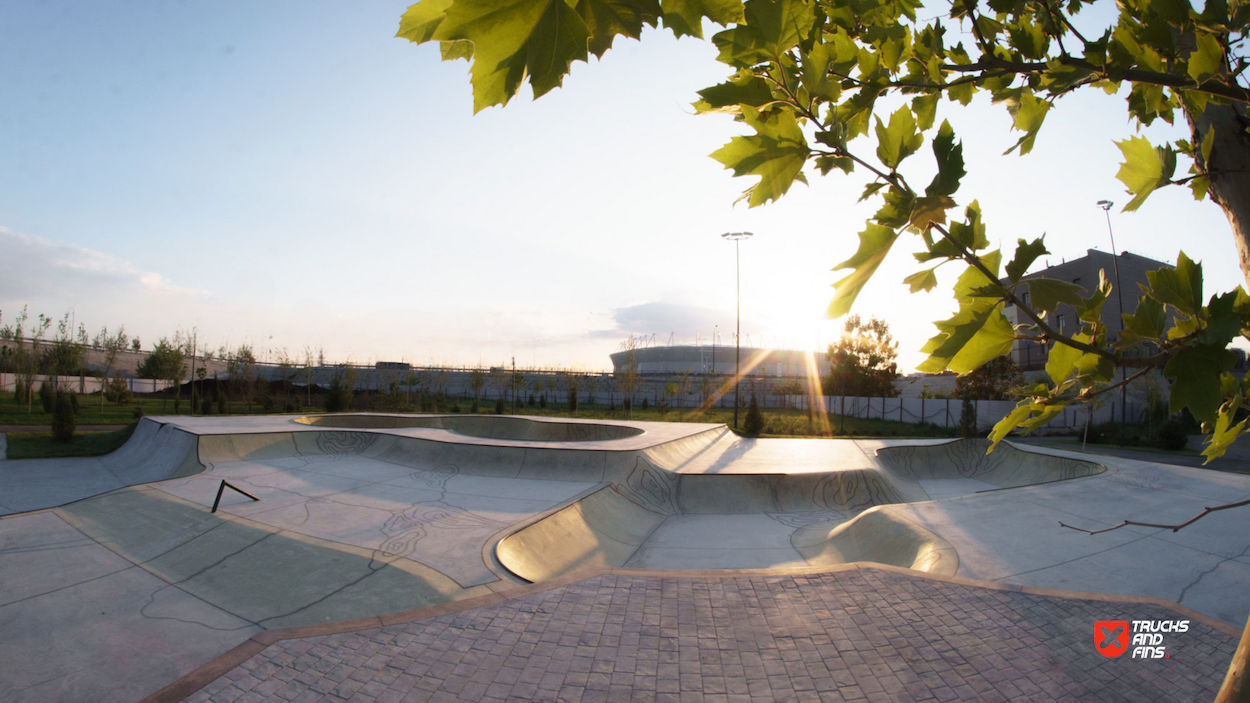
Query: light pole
x: 714, y: 328
x: 737, y: 237
x: 1119, y: 292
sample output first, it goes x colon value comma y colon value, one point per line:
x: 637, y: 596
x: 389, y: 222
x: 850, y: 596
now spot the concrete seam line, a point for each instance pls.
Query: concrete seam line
x: 204, y: 675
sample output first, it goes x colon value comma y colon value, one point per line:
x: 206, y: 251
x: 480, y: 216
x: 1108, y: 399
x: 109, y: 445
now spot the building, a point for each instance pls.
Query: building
x: 719, y: 360
x: 1083, y: 272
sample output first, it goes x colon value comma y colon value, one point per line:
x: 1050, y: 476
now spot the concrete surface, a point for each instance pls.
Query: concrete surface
x: 366, y: 522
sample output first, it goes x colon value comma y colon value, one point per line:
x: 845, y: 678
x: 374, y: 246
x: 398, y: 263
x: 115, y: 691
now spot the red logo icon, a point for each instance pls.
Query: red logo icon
x: 1111, y: 637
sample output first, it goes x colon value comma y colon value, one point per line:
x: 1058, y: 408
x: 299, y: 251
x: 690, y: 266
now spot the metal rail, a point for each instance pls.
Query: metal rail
x: 223, y: 486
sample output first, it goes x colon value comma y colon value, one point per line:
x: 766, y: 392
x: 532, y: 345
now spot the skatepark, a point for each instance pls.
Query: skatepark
x: 119, y: 581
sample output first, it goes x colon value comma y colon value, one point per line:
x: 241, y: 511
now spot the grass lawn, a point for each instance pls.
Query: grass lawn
x: 40, y: 445
x: 1134, y: 448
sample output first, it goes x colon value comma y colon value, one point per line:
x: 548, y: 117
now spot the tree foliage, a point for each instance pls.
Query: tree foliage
x: 995, y: 380
x: 811, y: 80
x: 863, y: 362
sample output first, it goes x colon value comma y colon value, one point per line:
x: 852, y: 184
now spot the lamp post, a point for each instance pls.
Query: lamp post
x: 714, y: 328
x: 737, y: 237
x: 1119, y: 292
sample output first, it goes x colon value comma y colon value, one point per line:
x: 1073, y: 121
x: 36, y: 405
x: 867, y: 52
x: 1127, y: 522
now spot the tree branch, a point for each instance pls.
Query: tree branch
x: 1173, y: 528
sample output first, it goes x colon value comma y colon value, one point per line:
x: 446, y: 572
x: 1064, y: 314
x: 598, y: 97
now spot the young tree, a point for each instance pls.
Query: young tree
x: 862, y: 362
x: 627, y: 377
x: 477, y: 380
x: 994, y: 381
x: 241, y: 370
x: 111, y: 345
x: 26, y: 360
x: 167, y: 362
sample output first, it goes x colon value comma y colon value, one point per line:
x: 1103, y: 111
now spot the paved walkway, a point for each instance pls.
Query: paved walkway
x: 854, y: 634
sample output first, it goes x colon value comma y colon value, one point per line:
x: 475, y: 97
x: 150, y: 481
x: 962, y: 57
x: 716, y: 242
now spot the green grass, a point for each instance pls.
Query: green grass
x: 13, y: 413
x: 41, y: 445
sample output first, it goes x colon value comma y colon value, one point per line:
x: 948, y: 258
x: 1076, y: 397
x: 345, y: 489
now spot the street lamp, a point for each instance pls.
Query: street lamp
x: 737, y: 237
x: 1119, y: 292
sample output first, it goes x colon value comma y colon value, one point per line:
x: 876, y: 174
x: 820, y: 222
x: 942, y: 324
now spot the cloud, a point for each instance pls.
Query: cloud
x: 38, y: 270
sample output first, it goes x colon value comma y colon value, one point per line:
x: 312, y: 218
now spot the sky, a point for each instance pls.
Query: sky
x: 291, y: 176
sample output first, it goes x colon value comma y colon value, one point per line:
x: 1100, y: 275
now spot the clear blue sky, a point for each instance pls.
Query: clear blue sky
x: 289, y: 175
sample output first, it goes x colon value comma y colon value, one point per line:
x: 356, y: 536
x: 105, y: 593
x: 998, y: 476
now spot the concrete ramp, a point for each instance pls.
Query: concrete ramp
x: 484, y: 426
x: 879, y: 537
x: 661, y: 513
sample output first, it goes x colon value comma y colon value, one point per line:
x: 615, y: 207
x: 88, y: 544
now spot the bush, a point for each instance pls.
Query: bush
x: 73, y: 401
x: 292, y: 405
x: 455, y: 407
x: 222, y: 407
x: 19, y: 390
x: 573, y: 401
x: 476, y: 407
x: 138, y: 412
x: 206, y: 406
x: 531, y: 402
x: 499, y: 406
x: 266, y: 404
x: 754, y: 422
x: 47, y: 397
x: 1171, y: 435
x: 63, y: 418
x: 644, y: 403
x: 118, y: 391
x: 542, y: 402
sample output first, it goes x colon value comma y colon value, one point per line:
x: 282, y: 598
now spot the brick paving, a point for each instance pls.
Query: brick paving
x: 860, y: 635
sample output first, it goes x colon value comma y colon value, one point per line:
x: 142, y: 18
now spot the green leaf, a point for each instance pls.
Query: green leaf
x: 771, y: 28
x: 1195, y: 373
x: 1205, y: 62
x: 1007, y: 424
x: 1029, y: 111
x: 971, y: 233
x: 899, y: 140
x: 776, y: 153
x: 1090, y: 309
x: 1145, y: 168
x: 1225, y: 431
x: 925, y: 280
x: 1062, y: 360
x: 1223, y: 321
x: 1026, y: 254
x: 874, y: 244
x: 871, y: 190
x: 825, y: 164
x: 1180, y: 287
x: 925, y: 107
x: 420, y: 20
x: 685, y: 17
x: 815, y: 75
x: 1046, y: 294
x: 968, y: 341
x: 950, y: 161
x: 609, y: 18
x: 1148, y: 321
x: 930, y: 209
x: 743, y: 88
x: 513, y: 39
x: 452, y: 50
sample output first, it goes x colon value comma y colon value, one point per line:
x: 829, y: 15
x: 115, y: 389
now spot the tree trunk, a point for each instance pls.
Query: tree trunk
x: 1227, y: 169
x: 1236, y: 688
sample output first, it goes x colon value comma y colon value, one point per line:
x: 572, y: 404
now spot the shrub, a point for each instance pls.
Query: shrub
x: 499, y: 406
x: 137, y: 412
x: 206, y: 406
x: 222, y: 407
x: 118, y: 391
x: 1171, y: 435
x: 292, y: 405
x: 47, y: 397
x: 531, y: 401
x: 63, y: 418
x: 476, y: 407
x: 19, y: 390
x: 644, y: 403
x: 573, y: 401
x: 455, y: 407
x: 754, y: 422
x: 266, y: 404
x: 542, y: 402
x: 73, y: 401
